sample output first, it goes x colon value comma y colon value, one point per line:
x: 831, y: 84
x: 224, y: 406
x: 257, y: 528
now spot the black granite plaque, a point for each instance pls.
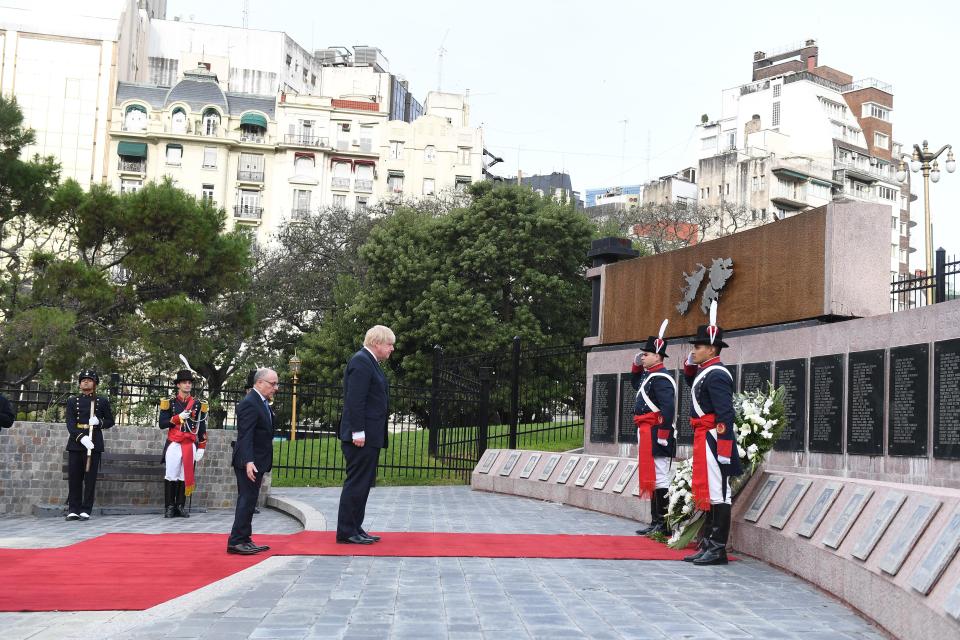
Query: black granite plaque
x: 792, y: 376
x: 603, y: 407
x: 946, y: 400
x: 755, y: 377
x: 865, y: 377
x: 628, y: 400
x: 909, y: 383
x: 684, y: 407
x: 826, y: 404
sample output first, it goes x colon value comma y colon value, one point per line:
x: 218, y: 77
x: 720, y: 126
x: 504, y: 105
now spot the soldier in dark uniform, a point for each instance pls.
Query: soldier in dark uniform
x: 654, y: 414
x: 185, y: 419
x: 715, y: 455
x: 87, y: 415
x: 6, y: 413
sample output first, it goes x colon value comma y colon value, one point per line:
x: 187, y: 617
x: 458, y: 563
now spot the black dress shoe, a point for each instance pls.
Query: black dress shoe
x: 244, y: 549
x: 259, y: 547
x: 367, y: 535
x: 357, y: 539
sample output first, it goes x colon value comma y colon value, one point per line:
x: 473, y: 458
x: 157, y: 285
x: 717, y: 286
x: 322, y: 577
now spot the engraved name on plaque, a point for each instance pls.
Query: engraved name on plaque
x: 826, y: 404
x: 530, y: 465
x: 793, y: 498
x: 586, y: 471
x: 819, y: 509
x: 754, y: 376
x: 627, y: 430
x: 909, y: 383
x: 511, y: 462
x: 848, y: 517
x: 486, y: 462
x: 946, y: 400
x: 624, y: 478
x: 878, y: 525
x: 763, y: 498
x: 792, y: 376
x: 938, y: 557
x: 548, y: 468
x: 909, y: 533
x: 605, y: 474
x: 865, y: 378
x: 603, y: 407
x: 568, y: 469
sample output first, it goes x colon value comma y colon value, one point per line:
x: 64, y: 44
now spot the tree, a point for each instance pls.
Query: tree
x: 509, y: 263
x: 662, y: 227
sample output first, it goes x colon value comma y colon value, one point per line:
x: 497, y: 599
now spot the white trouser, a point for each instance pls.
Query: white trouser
x: 663, y: 472
x: 719, y: 485
x: 173, y: 460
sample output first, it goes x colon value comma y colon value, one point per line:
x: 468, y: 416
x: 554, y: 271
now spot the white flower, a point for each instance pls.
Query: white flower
x: 752, y: 450
x: 767, y: 435
x: 741, y: 451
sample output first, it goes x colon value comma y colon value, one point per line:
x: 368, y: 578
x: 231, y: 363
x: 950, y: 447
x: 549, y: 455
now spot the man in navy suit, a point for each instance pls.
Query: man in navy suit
x: 363, y: 431
x: 252, y: 457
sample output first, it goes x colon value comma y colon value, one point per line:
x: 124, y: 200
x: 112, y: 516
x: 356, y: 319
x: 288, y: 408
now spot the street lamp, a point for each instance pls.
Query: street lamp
x: 924, y: 159
x: 294, y: 364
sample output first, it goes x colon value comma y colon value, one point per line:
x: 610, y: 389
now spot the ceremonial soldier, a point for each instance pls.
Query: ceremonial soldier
x: 715, y: 455
x: 185, y: 419
x: 87, y: 415
x: 654, y: 413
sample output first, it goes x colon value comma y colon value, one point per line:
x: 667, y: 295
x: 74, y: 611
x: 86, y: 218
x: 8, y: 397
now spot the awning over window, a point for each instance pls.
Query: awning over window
x: 137, y: 107
x: 132, y: 149
x: 303, y: 154
x: 254, y: 119
x: 347, y: 160
x: 174, y: 146
x: 369, y: 162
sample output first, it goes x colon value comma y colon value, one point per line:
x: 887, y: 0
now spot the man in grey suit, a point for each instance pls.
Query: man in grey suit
x: 252, y: 457
x: 363, y: 431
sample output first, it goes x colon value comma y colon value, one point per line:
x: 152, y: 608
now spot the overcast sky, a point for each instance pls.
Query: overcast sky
x: 551, y: 82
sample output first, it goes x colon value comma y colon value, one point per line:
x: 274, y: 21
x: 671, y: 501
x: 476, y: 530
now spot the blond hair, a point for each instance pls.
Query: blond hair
x: 379, y: 334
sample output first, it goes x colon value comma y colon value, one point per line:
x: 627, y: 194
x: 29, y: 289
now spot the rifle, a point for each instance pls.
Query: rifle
x: 93, y: 412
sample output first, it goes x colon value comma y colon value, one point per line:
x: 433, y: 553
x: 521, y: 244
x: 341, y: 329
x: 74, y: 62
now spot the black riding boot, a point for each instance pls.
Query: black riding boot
x: 654, y: 514
x: 181, y: 499
x: 169, y: 499
x: 716, y: 553
x: 704, y: 537
x: 663, y: 504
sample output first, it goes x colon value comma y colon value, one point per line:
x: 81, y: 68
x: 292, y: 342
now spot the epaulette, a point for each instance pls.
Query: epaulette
x: 165, y: 404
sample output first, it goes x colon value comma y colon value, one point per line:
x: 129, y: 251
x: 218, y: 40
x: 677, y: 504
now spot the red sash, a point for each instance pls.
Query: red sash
x: 186, y: 440
x: 700, y: 482
x: 646, y: 470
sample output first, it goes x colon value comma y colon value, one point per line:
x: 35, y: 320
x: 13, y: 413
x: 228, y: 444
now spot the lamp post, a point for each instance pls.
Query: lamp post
x: 295, y: 371
x: 926, y: 161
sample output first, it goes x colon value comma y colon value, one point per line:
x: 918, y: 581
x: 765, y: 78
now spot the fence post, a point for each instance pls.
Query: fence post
x: 483, y: 410
x: 434, y: 425
x: 515, y: 393
x: 940, y: 275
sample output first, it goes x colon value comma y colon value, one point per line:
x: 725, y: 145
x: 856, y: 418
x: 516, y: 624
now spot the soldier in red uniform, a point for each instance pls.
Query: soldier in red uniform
x: 185, y: 419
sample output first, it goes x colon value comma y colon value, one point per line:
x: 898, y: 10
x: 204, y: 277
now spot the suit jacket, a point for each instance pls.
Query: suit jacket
x: 366, y: 395
x: 254, y: 434
x: 78, y: 417
x: 6, y: 413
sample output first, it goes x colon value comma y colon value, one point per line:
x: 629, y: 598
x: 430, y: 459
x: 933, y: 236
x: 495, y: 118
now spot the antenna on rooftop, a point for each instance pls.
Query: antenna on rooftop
x: 440, y: 52
x: 246, y: 13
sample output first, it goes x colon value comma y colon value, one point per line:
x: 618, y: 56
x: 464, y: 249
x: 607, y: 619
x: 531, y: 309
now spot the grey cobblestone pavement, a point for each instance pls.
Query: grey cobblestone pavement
x: 459, y: 598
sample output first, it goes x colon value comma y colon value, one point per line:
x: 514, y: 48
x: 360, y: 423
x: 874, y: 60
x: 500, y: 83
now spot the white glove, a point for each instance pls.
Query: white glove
x: 636, y: 359
x: 662, y: 442
x: 199, y: 455
x: 94, y: 421
x: 184, y: 416
x: 690, y: 358
x: 87, y: 442
x: 723, y: 460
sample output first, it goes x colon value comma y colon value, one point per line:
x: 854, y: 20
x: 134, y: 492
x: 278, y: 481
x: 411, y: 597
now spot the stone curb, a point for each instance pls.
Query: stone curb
x: 310, y: 518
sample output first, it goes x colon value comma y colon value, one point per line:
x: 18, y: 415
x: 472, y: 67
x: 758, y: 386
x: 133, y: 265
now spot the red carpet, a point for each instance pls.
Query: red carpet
x: 134, y: 571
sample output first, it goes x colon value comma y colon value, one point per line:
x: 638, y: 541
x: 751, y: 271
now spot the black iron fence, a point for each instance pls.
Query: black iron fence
x: 910, y: 292
x: 508, y: 399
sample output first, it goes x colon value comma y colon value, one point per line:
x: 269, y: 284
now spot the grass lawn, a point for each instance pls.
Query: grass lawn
x: 406, y: 461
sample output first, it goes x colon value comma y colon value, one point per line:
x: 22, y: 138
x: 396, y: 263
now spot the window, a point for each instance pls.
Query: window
x: 881, y: 140
x: 135, y: 118
x: 727, y: 190
x: 461, y: 183
x: 395, y: 182
x: 339, y: 201
x: 429, y: 153
x: 361, y: 203
x: 366, y: 138
x: 249, y: 204
x: 708, y: 192
x: 464, y: 155
x: 303, y: 165
x: 209, y: 157
x: 206, y: 193
x: 819, y: 190
x: 709, y: 143
x: 871, y: 110
x: 301, y: 201
x: 313, y: 79
x: 130, y: 186
x: 755, y: 184
x: 250, y: 166
x: 211, y: 122
x: 731, y: 140
x: 174, y: 154
x: 887, y: 194
x: 289, y: 59
x: 833, y: 109
x: 306, y: 74
x: 364, y: 177
x: 903, y: 255
x: 428, y: 187
x: 396, y: 150
x: 763, y: 214
x: 893, y: 223
x: 178, y: 121
x: 775, y: 118
x: 776, y: 90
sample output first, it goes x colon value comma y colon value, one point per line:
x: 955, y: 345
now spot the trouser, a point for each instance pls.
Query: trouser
x: 361, y: 474
x: 719, y: 481
x: 247, y: 494
x: 82, y: 484
x: 173, y: 461
x: 662, y: 466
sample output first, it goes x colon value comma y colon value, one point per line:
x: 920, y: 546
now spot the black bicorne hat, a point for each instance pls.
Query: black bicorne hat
x: 183, y: 375
x: 704, y: 336
x: 656, y: 345
x: 89, y: 373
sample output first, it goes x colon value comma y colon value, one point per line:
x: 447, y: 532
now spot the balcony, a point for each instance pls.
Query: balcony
x: 132, y: 166
x: 247, y: 212
x: 365, y: 186
x: 253, y: 137
x: 299, y: 214
x: 305, y: 140
x: 249, y: 176
x: 340, y: 183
